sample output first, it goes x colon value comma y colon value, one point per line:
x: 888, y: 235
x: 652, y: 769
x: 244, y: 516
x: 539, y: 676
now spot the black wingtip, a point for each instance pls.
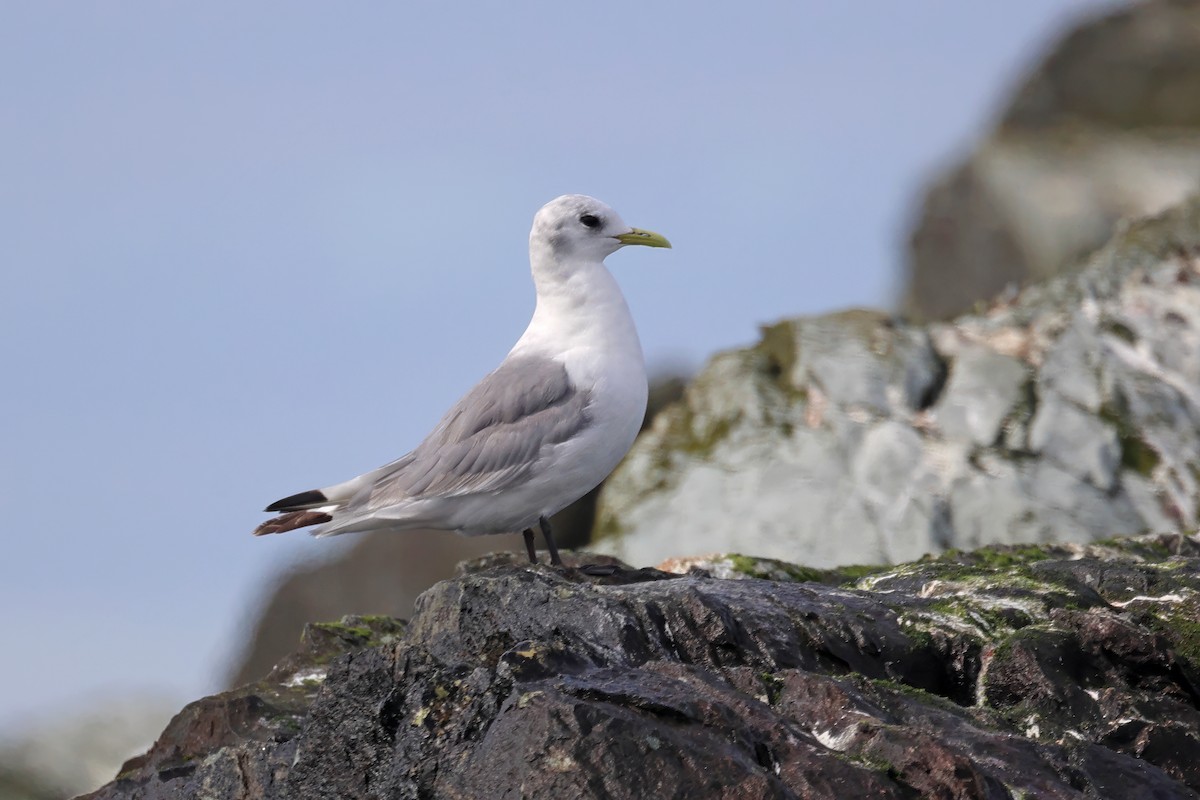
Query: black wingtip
x: 298, y: 502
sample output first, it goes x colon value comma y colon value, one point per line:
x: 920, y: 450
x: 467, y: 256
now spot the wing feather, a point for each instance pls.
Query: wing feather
x: 491, y: 438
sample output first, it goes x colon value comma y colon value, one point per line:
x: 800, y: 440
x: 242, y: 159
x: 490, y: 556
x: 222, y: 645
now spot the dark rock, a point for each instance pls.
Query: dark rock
x: 963, y: 225
x: 1009, y: 672
x: 379, y: 574
x: 1106, y: 126
x: 1133, y: 68
x: 271, y: 711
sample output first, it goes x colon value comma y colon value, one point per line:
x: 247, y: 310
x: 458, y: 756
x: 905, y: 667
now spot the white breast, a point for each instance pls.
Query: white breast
x: 586, y: 326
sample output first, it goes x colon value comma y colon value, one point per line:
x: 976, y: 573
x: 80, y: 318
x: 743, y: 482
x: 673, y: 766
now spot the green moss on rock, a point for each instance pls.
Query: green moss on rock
x: 996, y: 557
x: 1136, y: 454
x: 1120, y: 330
x: 775, y: 570
x: 322, y: 641
x: 778, y: 345
x: 1180, y: 625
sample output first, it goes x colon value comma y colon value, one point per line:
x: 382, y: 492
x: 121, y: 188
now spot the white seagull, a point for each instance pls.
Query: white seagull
x: 539, y: 432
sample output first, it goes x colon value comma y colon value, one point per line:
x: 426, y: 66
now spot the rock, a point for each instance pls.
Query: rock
x: 380, y: 574
x: 54, y: 757
x: 1106, y: 127
x: 17, y: 783
x: 1078, y: 441
x: 984, y: 388
x: 1069, y: 412
x: 1062, y: 671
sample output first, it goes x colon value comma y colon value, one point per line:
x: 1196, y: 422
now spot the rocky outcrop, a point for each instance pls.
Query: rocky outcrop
x: 1106, y: 127
x: 1067, y: 671
x: 1067, y: 412
x: 379, y: 574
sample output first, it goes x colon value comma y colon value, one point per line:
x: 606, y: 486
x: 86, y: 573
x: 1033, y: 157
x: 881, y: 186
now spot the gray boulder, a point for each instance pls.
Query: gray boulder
x: 1106, y: 127
x: 1067, y: 412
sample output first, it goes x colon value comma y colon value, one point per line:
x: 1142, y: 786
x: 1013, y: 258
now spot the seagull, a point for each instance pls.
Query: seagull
x: 537, y: 433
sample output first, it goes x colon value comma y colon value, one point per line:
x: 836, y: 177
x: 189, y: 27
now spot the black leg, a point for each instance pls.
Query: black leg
x: 545, y: 525
x: 529, y: 546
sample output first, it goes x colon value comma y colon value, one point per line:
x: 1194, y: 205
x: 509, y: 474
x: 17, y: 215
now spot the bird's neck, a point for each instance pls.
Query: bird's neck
x: 580, y: 308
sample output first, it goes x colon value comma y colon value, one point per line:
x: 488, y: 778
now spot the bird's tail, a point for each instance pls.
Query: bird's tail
x: 316, y: 506
x: 292, y: 520
x: 300, y: 511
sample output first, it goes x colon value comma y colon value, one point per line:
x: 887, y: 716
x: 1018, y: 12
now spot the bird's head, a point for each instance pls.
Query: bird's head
x: 577, y: 226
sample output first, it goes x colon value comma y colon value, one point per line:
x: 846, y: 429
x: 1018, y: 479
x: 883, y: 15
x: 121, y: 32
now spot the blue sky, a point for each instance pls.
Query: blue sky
x: 251, y: 248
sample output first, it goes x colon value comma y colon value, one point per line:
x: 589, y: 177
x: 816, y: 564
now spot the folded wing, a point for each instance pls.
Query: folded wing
x: 493, y: 436
x: 488, y: 442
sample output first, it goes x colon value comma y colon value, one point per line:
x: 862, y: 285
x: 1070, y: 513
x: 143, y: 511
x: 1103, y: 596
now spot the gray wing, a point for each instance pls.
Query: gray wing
x: 492, y: 437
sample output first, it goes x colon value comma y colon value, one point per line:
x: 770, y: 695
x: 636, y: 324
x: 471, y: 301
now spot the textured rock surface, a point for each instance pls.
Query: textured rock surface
x: 1068, y: 412
x: 1060, y: 672
x: 378, y: 574
x: 1108, y: 126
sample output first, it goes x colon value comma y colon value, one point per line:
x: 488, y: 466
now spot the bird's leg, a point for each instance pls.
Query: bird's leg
x: 545, y: 525
x: 529, y: 546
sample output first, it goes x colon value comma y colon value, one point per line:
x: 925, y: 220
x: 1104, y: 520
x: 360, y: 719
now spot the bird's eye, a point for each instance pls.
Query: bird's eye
x: 590, y: 221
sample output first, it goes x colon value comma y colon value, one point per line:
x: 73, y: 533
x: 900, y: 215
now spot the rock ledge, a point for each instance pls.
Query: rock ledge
x: 1064, y: 671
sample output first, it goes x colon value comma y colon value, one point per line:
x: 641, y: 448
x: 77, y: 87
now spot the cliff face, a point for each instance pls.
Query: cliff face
x: 1058, y: 672
x: 1067, y: 412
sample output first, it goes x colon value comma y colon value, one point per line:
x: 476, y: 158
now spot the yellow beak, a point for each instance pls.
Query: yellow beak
x: 639, y: 236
